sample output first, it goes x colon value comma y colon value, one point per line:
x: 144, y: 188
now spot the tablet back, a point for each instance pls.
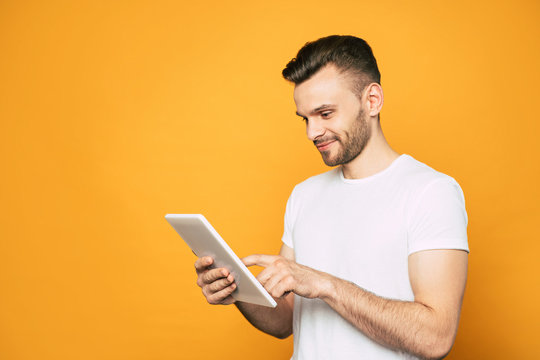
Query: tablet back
x: 201, y: 237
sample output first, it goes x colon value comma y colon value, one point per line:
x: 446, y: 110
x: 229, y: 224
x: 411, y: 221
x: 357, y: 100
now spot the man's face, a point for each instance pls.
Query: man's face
x: 335, y: 118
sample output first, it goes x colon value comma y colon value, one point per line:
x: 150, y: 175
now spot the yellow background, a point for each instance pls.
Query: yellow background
x: 114, y: 113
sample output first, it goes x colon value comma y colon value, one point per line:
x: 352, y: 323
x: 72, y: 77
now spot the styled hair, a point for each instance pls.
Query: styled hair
x: 348, y: 53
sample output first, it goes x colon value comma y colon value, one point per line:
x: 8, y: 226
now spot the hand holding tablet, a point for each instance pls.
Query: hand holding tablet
x: 201, y: 237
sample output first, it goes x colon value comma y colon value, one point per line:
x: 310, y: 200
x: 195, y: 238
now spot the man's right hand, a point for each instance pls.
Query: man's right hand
x: 217, y: 284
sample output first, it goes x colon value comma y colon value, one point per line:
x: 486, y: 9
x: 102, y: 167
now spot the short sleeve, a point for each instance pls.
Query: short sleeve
x: 287, y: 237
x: 438, y: 220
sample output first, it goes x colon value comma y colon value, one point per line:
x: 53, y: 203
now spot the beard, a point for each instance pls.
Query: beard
x: 352, y: 144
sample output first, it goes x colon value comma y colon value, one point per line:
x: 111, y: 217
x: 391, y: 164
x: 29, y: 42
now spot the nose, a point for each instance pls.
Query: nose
x: 314, y: 129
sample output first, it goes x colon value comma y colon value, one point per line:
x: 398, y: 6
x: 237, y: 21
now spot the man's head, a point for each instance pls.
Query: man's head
x: 338, y: 94
x: 350, y: 55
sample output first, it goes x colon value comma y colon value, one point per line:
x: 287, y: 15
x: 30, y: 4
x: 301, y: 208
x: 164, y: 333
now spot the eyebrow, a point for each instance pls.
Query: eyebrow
x: 322, y: 107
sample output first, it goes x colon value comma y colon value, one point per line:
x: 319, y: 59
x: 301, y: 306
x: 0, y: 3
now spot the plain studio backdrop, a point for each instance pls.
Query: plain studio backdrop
x: 114, y: 113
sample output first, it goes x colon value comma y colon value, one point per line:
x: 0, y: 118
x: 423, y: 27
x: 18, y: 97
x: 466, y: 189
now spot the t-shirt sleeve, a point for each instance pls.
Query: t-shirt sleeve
x: 439, y: 219
x: 288, y: 223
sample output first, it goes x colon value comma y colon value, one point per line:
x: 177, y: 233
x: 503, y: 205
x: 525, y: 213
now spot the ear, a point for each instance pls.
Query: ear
x: 374, y: 99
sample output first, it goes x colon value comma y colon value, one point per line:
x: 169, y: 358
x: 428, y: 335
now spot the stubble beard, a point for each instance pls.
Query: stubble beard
x: 354, y: 143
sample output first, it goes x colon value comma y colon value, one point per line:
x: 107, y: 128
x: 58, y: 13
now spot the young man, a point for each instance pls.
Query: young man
x: 374, y: 257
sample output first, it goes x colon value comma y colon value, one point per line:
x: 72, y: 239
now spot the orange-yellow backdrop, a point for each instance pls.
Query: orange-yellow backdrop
x: 114, y: 113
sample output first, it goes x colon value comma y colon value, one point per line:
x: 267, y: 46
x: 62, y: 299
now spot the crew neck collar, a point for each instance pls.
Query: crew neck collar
x: 374, y: 176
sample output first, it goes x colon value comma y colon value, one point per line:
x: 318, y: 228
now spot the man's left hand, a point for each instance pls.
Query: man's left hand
x: 282, y: 276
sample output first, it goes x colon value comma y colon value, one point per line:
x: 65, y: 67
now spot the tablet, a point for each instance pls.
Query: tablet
x: 201, y: 237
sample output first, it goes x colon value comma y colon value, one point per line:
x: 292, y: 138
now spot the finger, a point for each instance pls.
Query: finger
x: 265, y: 275
x: 280, y: 265
x: 279, y: 288
x: 273, y: 282
x: 203, y: 263
x: 259, y: 259
x: 220, y: 296
x: 220, y: 284
x: 212, y: 275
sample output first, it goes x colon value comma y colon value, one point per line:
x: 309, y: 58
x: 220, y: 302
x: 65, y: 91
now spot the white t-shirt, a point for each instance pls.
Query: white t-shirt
x: 363, y: 230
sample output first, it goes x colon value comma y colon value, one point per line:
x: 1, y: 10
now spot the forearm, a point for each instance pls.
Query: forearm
x: 401, y: 325
x: 273, y: 321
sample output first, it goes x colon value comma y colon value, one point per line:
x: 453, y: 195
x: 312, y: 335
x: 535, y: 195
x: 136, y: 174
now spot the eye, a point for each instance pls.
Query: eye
x: 326, y: 114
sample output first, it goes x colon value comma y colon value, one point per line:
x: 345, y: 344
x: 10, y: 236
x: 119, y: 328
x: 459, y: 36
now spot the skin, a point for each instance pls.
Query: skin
x: 347, y: 131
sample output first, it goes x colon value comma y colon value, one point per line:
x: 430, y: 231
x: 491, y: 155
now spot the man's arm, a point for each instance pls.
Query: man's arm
x: 274, y: 321
x: 218, y: 284
x: 425, y: 327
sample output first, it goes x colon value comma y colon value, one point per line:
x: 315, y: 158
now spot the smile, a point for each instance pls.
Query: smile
x: 325, y: 146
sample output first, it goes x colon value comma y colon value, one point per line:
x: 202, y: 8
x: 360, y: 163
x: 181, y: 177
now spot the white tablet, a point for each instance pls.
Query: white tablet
x: 205, y: 241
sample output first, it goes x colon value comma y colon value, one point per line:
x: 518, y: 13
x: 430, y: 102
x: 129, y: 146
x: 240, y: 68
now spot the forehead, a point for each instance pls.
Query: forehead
x: 327, y: 86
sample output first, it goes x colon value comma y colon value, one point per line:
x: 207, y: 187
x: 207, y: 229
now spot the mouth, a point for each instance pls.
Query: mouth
x: 325, y: 145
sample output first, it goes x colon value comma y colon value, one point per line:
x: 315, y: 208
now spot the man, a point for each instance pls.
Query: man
x: 374, y: 257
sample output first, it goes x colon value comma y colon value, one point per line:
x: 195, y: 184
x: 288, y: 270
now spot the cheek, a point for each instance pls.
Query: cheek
x: 338, y: 134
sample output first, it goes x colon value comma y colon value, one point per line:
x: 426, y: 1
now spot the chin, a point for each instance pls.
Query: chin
x: 329, y: 161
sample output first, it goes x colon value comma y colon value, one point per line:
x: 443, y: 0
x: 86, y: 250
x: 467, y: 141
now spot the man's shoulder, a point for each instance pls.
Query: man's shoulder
x: 417, y: 175
x: 415, y: 170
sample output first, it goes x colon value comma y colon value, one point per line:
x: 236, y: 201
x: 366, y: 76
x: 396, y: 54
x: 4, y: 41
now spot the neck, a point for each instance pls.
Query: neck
x: 376, y: 156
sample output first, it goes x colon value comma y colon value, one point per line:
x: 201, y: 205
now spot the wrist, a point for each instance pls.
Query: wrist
x: 327, y: 287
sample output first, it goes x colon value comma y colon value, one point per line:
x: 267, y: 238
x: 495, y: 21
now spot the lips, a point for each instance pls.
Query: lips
x: 325, y: 145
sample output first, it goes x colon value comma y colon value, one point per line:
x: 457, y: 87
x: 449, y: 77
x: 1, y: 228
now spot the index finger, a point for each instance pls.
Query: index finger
x: 259, y: 259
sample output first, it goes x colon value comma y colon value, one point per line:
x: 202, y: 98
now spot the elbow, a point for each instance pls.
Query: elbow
x: 437, y: 353
x: 283, y: 334
x: 439, y: 348
x: 280, y: 332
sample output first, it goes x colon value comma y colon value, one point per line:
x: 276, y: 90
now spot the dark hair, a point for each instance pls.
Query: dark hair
x: 347, y: 53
